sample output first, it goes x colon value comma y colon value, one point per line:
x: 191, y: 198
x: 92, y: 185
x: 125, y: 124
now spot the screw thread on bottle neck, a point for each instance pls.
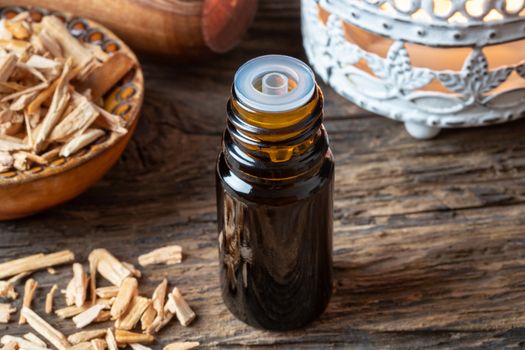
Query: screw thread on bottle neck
x: 284, y: 144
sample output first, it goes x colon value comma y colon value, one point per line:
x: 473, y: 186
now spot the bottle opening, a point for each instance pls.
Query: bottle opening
x: 274, y: 83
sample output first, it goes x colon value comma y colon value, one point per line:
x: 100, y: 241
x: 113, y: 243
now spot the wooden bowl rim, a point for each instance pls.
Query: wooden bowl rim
x: 96, y: 149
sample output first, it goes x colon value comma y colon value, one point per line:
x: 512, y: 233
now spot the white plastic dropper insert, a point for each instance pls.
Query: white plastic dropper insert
x: 273, y: 73
x: 274, y: 84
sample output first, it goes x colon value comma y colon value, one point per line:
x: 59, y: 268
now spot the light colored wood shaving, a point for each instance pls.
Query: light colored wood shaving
x: 11, y: 123
x: 80, y: 141
x: 126, y: 337
x: 20, y: 161
x: 160, y: 323
x: 110, y: 340
x: 70, y: 46
x: 52, y: 154
x: 49, y: 43
x: 80, y: 282
x: 82, y: 346
x: 186, y: 345
x: 29, y: 131
x: 148, y: 317
x: 103, y: 316
x: 9, y: 120
x: 22, y: 343
x: 29, y: 292
x: 110, y: 121
x: 139, y: 347
x: 98, y: 344
x: 33, y: 338
x: 136, y: 309
x: 36, y: 43
x: 159, y: 304
x: 70, y: 311
x: 93, y: 277
x: 19, y: 29
x: 159, y: 297
x: 5, y: 312
x: 134, y: 271
x: 18, y: 47
x: 51, y: 270
x: 74, y: 310
x: 165, y: 255
x: 9, y: 86
x: 23, y: 101
x: 10, y: 143
x: 107, y: 292
x: 36, y: 105
x: 18, y: 277
x: 4, y: 33
x: 35, y: 88
x: 7, y: 290
x: 32, y: 157
x: 12, y: 345
x: 50, y: 297
x: 45, y: 329
x: 109, y: 267
x: 34, y: 262
x: 128, y: 290
x: 42, y: 63
x: 58, y: 105
x: 87, y: 317
x: 7, y: 66
x: 37, y: 74
x: 12, y: 129
x: 177, y: 305
x: 85, y: 336
x: 70, y: 293
x: 22, y: 16
x: 75, y: 122
x: 6, y: 161
x: 98, y: 52
x: 5, y: 316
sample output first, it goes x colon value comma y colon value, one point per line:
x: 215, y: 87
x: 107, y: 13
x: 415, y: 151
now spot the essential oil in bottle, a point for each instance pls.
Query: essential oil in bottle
x: 275, y: 179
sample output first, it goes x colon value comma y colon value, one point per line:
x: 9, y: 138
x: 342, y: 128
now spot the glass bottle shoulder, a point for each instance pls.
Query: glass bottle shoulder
x: 275, y: 191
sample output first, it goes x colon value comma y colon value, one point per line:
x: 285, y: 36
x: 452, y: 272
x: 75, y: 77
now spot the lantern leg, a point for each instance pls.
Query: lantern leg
x: 421, y: 131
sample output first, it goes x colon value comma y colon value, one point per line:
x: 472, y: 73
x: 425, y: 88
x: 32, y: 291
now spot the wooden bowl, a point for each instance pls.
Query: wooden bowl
x: 24, y: 193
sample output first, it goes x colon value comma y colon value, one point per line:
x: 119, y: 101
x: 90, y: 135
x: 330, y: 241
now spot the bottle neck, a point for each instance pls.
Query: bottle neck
x: 275, y: 146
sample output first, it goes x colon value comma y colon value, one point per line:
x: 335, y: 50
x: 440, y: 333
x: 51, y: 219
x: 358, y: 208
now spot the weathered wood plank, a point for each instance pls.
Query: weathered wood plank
x: 428, y: 239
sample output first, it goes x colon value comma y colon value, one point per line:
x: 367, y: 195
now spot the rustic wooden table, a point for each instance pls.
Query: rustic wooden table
x: 429, y: 242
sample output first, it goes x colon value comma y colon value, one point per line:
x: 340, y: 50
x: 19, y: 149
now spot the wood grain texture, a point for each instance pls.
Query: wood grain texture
x: 429, y: 238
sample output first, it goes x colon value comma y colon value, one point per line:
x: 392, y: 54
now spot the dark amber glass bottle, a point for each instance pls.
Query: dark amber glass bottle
x: 274, y: 197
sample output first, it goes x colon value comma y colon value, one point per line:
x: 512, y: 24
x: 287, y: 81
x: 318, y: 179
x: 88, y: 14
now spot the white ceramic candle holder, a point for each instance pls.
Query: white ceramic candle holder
x: 431, y: 64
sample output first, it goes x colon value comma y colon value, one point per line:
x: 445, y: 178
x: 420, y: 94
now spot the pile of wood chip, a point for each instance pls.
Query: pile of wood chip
x: 136, y: 318
x: 51, y: 89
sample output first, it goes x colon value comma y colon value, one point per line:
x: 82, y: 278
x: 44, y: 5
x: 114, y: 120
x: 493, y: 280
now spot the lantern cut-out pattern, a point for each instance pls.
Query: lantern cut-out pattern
x: 431, y: 64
